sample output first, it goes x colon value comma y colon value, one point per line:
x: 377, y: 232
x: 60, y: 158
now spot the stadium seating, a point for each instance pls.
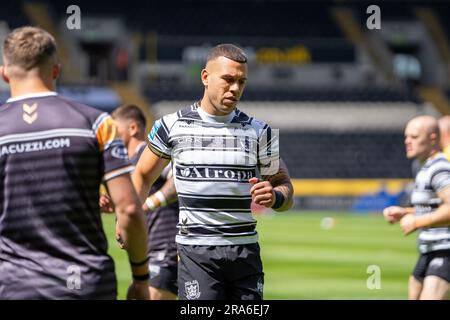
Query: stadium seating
x: 15, y: 20
x: 335, y: 94
x: 201, y: 18
x: 345, y: 155
x: 343, y: 148
x: 364, y: 138
x: 441, y: 10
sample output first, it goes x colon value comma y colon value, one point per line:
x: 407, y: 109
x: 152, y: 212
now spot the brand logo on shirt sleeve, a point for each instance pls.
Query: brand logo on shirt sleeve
x: 154, y: 130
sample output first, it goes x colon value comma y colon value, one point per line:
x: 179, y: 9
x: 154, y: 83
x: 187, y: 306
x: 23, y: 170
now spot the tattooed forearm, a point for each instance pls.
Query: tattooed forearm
x: 281, y: 182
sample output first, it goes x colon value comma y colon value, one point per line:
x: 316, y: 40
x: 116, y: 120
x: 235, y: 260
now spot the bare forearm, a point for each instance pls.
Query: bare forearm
x: 131, y: 221
x: 142, y: 184
x: 287, y: 191
x: 133, y: 231
x: 282, y: 183
x: 147, y: 170
x: 165, y: 195
x: 439, y: 218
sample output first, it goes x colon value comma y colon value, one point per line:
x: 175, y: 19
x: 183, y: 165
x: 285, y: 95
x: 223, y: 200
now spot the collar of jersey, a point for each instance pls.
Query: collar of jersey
x: 140, y: 146
x: 434, y: 157
x: 215, y: 119
x: 33, y: 95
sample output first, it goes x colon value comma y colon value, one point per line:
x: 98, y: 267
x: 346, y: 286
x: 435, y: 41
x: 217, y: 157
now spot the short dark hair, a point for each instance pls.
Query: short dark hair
x: 130, y: 112
x: 227, y: 50
x: 28, y: 48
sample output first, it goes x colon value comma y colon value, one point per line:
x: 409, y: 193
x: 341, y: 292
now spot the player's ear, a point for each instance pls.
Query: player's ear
x: 204, y: 76
x: 133, y: 128
x: 434, y: 139
x: 56, y: 71
x: 4, y: 74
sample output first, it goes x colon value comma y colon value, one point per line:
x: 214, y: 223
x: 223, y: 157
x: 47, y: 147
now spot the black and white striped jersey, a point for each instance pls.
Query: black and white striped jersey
x: 213, y: 157
x: 432, y: 177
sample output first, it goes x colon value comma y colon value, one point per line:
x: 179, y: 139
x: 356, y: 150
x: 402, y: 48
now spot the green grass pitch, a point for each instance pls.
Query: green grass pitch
x: 303, y: 261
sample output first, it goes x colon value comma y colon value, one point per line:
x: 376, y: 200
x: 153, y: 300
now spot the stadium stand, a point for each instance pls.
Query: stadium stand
x: 340, y: 104
x: 345, y: 155
x: 15, y: 20
x: 287, y: 18
x: 322, y: 93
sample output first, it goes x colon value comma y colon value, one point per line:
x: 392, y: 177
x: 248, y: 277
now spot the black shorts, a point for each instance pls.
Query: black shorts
x: 163, y: 267
x: 164, y: 277
x: 231, y: 272
x: 435, y: 263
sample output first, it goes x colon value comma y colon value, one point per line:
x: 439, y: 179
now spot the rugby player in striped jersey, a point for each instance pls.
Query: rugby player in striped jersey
x: 430, y: 214
x: 222, y: 159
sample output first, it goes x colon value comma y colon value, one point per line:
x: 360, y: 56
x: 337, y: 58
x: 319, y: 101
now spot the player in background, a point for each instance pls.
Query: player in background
x: 161, y: 207
x: 431, y: 212
x: 54, y: 153
x: 222, y: 159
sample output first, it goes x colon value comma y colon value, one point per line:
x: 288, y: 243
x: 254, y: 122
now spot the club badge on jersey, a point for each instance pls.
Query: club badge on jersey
x: 192, y: 290
x: 118, y: 150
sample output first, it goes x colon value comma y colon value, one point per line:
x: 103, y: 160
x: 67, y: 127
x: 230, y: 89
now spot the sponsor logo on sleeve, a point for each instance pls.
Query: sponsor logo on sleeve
x: 154, y: 130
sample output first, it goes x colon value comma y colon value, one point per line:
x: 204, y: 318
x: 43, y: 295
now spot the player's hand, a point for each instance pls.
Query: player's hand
x: 106, y: 205
x: 262, y: 192
x: 393, y: 214
x: 138, y: 290
x: 408, y: 224
x: 119, y: 237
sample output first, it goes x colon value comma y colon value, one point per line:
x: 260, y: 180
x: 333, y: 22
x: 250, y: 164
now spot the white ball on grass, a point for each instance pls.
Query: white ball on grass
x: 327, y: 223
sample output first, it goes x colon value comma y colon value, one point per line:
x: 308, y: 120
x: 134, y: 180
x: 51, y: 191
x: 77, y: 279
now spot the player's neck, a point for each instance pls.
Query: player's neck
x: 208, y: 108
x: 432, y: 154
x: 132, y: 146
x: 29, y: 86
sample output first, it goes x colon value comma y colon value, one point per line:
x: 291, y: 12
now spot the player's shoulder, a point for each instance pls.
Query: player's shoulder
x: 437, y: 165
x: 437, y: 161
x: 88, y: 112
x: 246, y: 119
x: 64, y: 111
x: 256, y: 124
x: 187, y: 113
x: 260, y: 124
x: 72, y: 112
